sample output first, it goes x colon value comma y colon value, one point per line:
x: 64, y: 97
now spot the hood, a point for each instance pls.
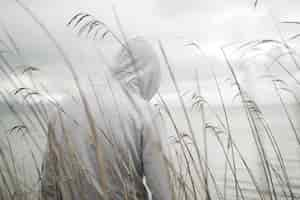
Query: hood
x: 137, y: 68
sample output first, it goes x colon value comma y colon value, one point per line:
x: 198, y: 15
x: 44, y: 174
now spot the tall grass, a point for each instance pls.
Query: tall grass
x: 192, y: 175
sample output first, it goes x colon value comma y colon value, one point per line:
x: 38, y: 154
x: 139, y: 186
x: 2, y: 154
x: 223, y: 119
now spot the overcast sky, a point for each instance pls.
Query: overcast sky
x: 212, y: 23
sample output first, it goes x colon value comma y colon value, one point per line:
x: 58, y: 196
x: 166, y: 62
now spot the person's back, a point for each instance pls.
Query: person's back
x: 127, y: 148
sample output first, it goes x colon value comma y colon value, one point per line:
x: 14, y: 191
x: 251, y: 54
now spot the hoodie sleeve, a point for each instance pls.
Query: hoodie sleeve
x: 154, y: 163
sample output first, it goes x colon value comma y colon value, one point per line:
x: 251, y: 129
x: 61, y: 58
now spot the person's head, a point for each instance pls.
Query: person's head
x: 137, y: 67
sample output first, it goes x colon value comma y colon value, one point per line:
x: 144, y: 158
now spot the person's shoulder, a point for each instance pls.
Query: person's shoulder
x: 147, y: 111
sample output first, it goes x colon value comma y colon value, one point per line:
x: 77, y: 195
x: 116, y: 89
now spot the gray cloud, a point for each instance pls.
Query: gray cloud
x: 212, y: 23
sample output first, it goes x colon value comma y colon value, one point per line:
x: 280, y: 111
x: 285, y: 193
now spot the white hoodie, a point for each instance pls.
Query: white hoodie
x: 128, y: 137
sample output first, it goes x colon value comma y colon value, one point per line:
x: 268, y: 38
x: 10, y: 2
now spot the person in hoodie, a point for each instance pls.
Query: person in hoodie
x: 105, y: 150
